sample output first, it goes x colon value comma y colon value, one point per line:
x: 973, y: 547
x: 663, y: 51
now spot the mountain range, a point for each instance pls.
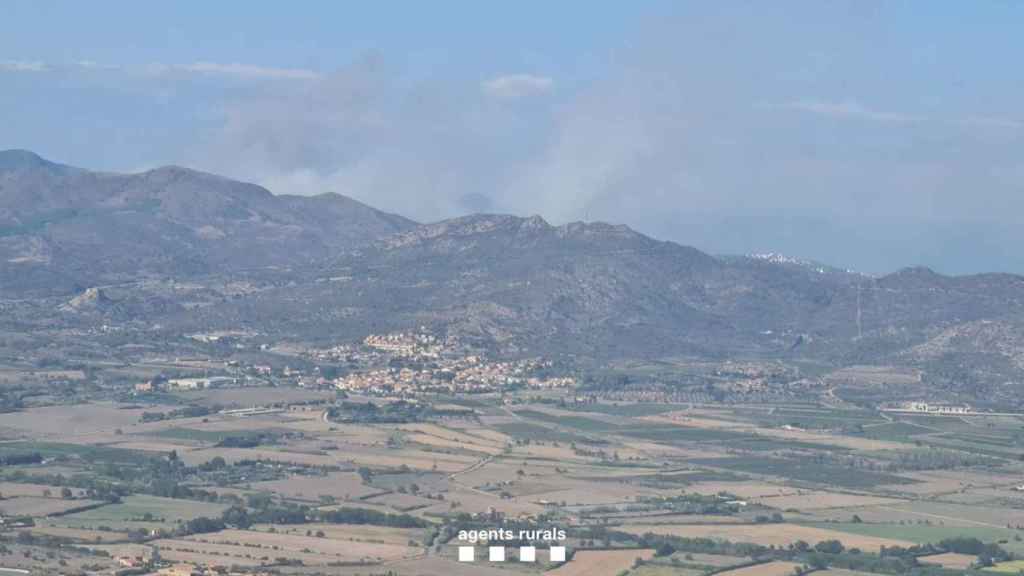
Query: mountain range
x: 329, y: 266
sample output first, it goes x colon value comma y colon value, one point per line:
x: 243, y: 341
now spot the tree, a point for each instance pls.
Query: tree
x: 829, y: 547
x: 665, y: 549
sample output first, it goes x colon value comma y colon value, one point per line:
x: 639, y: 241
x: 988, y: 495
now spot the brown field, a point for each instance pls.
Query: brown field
x: 561, y: 453
x: 36, y: 561
x: 765, y: 534
x: 595, y: 493
x: 455, y: 435
x: 246, y: 397
x: 160, y: 445
x: 81, y: 534
x: 600, y: 562
x: 13, y: 489
x: 434, y: 566
x: 841, y: 572
x: 439, y: 442
x: 213, y: 555
x: 949, y: 560
x: 717, y: 560
x: 502, y: 470
x: 340, y: 485
x: 658, y: 518
x: 310, y: 549
x: 39, y: 507
x: 417, y: 459
x: 350, y: 532
x: 875, y: 375
x: 224, y: 423
x: 949, y: 481
x: 67, y: 421
x: 685, y: 419
x: 689, y: 418
x: 402, y: 502
x: 232, y: 455
x: 357, y: 504
x: 489, y: 435
x: 476, y: 501
x: 768, y: 569
x: 132, y: 550
x: 751, y: 490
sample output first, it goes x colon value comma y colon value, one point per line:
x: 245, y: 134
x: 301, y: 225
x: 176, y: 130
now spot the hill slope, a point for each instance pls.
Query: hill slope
x: 62, y: 226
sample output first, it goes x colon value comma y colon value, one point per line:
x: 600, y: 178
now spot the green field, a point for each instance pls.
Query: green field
x: 896, y: 431
x: 1013, y: 567
x: 805, y: 470
x: 814, y: 418
x: 133, y: 509
x: 631, y: 410
x: 650, y: 569
x: 211, y: 436
x: 918, y: 533
x: 536, y: 432
x: 672, y: 434
x: 578, y: 422
x: 86, y: 452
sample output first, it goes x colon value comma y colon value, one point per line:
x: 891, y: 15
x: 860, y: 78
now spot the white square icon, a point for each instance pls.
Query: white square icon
x: 496, y: 554
x: 527, y: 554
x: 558, y: 553
x: 466, y: 553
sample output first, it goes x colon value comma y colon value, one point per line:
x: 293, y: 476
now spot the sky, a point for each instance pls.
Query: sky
x: 866, y: 135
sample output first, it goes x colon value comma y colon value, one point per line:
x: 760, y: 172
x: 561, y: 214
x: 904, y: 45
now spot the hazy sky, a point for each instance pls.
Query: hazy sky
x: 866, y: 135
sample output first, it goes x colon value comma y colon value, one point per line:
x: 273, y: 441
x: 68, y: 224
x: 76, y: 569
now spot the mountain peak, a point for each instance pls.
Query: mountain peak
x: 18, y: 159
x: 173, y: 171
x: 597, y: 229
x: 920, y: 271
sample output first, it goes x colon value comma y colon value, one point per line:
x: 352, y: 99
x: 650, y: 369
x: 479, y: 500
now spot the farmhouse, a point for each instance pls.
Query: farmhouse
x: 199, y: 383
x: 179, y: 570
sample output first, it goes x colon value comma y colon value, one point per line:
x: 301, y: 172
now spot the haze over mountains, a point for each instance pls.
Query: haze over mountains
x: 330, y: 267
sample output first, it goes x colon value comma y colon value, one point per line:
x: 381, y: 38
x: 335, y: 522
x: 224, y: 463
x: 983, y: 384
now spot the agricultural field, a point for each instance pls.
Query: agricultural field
x: 250, y: 545
x: 333, y: 485
x: 919, y: 533
x: 600, y: 562
x: 1013, y: 567
x: 767, y: 569
x: 142, y: 511
x: 292, y: 490
x: 949, y: 560
x: 42, y: 506
x: 766, y: 534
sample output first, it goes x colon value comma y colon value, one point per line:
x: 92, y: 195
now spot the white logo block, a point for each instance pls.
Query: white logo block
x: 496, y: 554
x: 527, y: 554
x: 466, y: 553
x: 558, y: 553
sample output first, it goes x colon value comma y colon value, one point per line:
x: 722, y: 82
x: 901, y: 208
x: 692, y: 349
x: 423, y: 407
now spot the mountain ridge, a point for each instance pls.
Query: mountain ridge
x: 328, y: 267
x: 102, y: 227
